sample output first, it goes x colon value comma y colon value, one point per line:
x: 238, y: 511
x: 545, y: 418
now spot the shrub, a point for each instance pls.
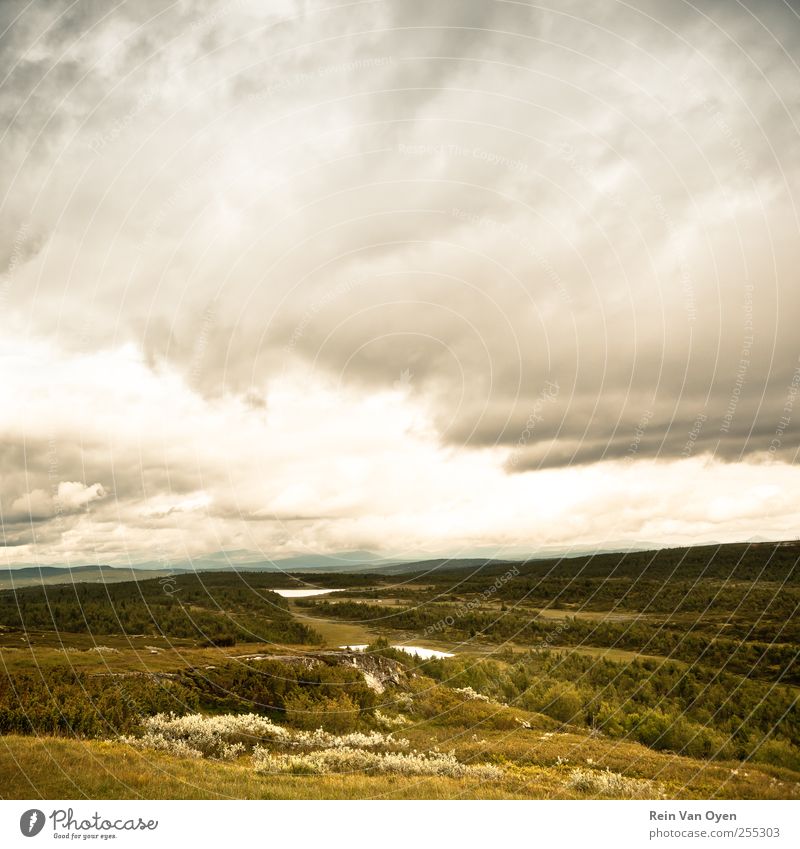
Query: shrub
x: 226, y: 737
x: 270, y: 685
x: 357, y: 760
x: 778, y: 753
x: 604, y: 783
x: 386, y: 721
x: 66, y: 702
x: 197, y: 736
x: 445, y: 706
x: 471, y: 695
x: 562, y: 702
x: 338, y: 714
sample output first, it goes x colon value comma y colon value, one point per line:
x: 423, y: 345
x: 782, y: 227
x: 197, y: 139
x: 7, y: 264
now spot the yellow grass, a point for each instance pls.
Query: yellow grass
x: 54, y: 768
x: 334, y: 632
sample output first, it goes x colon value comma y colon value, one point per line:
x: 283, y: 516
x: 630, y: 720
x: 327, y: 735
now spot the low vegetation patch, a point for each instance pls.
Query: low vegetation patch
x: 360, y: 760
x: 610, y: 785
x: 309, y: 752
x: 62, y: 701
x: 231, y: 735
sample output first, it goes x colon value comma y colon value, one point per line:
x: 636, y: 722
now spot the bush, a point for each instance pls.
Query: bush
x: 779, y: 753
x: 660, y: 730
x: 77, y: 704
x: 358, y: 760
x: 338, y: 714
x: 612, y: 785
x: 560, y: 701
x: 228, y: 736
x: 198, y: 736
x: 270, y: 685
x: 445, y: 706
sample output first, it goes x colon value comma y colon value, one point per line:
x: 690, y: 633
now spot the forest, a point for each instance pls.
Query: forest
x: 219, y: 608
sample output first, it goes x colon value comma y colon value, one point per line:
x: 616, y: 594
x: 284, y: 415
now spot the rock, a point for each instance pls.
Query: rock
x: 379, y: 672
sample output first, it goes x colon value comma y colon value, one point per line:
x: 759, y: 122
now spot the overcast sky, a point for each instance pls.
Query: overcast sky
x: 412, y: 277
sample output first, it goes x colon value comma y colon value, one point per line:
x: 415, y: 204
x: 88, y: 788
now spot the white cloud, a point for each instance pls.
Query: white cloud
x: 38, y: 504
x: 73, y: 495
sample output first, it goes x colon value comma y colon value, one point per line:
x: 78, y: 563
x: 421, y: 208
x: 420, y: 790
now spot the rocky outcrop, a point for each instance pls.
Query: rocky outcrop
x: 379, y: 672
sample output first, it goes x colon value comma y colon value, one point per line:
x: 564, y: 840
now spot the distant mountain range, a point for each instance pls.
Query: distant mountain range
x: 26, y: 575
x: 248, y: 561
x: 349, y: 561
x: 239, y: 561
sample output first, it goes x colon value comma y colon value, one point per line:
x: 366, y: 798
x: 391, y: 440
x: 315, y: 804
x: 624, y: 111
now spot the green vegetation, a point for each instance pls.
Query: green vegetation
x: 733, y: 608
x: 322, y: 694
x: 633, y: 675
x: 85, y: 705
x: 217, y: 608
x: 666, y: 706
x: 697, y: 642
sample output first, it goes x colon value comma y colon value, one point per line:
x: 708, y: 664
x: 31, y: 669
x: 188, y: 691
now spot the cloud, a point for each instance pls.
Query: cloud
x: 73, y: 495
x: 39, y: 505
x: 33, y: 506
x: 224, y: 221
x: 325, y: 467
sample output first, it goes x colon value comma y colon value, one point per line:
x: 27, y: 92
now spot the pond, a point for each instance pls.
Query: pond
x: 303, y: 593
x: 420, y: 651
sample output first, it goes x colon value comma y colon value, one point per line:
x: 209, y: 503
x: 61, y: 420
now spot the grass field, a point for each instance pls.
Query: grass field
x: 334, y: 632
x: 55, y: 768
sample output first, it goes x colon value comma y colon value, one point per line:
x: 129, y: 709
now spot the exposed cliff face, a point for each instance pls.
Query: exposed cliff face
x: 378, y: 671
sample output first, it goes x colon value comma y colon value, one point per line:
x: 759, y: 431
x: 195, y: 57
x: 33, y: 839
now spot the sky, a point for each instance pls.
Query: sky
x: 412, y: 278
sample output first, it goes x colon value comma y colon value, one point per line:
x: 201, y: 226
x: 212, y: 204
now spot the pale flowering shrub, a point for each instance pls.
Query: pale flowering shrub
x: 231, y: 735
x: 472, y: 695
x: 358, y: 760
x: 269, y: 762
x: 386, y: 721
x: 404, y: 701
x: 196, y: 735
x: 320, y: 739
x: 170, y: 745
x: 317, y: 752
x: 607, y: 783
